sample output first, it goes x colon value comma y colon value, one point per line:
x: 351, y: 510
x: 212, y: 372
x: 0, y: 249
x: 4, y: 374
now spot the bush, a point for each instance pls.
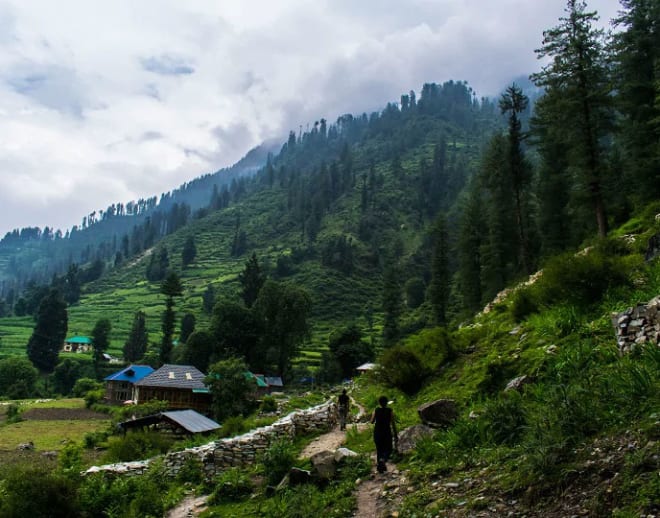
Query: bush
x: 401, y: 368
x: 38, y: 493
x: 192, y: 472
x: 84, y: 385
x: 277, y: 460
x: 231, y: 486
x: 233, y: 426
x: 269, y: 404
x: 505, y: 418
x: 92, y: 397
x: 523, y: 304
x: 137, y: 446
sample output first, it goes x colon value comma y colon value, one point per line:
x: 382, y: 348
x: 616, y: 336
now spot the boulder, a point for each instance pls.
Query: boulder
x: 409, y: 437
x: 438, y: 414
x: 343, y: 453
x: 323, y: 465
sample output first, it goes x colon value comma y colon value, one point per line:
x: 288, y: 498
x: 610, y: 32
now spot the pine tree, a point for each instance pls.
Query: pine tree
x: 391, y: 302
x: 251, y: 279
x: 439, y: 286
x: 637, y: 79
x: 513, y: 102
x: 171, y: 287
x: 189, y: 251
x: 138, y: 338
x: 49, y: 332
x: 469, y: 247
x: 100, y: 341
x: 577, y: 74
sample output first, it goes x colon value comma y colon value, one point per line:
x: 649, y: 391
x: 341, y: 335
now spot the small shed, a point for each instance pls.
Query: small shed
x: 365, y: 367
x: 274, y: 383
x: 180, y: 422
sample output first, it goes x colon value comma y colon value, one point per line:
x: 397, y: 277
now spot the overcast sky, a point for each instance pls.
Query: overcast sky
x: 109, y: 101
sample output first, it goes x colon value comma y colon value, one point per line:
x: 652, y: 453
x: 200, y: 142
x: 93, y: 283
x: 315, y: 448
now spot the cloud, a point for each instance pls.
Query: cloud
x: 167, y: 65
x: 108, y: 102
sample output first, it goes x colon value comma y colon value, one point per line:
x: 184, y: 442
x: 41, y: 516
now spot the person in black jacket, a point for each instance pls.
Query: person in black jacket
x: 384, y: 431
x: 343, y: 403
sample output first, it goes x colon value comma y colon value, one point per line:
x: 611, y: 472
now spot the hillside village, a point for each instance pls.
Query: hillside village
x: 484, y: 272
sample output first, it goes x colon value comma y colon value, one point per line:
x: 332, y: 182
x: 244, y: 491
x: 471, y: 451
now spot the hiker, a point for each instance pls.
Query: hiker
x: 343, y: 402
x: 384, y: 432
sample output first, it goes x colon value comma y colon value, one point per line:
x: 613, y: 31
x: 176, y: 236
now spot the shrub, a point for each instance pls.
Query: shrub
x: 14, y: 413
x: 523, y: 304
x: 505, y: 418
x: 269, y: 404
x: 38, y: 493
x: 84, y: 385
x: 401, y: 368
x: 191, y: 471
x: 233, y: 426
x: 277, y: 460
x: 92, y: 397
x: 137, y: 446
x: 231, y: 486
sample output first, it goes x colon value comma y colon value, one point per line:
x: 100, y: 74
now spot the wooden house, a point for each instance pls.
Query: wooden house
x: 182, y: 386
x: 120, y: 386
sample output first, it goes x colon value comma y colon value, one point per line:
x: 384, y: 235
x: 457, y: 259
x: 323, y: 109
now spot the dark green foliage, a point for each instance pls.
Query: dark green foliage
x: 208, y: 299
x: 391, y: 302
x: 277, y: 460
x: 138, y: 339
x: 191, y: 472
x: 337, y: 252
x: 470, y: 241
x: 235, y: 332
x: 187, y: 327
x: 171, y: 287
x: 401, y: 368
x: 232, y: 391
x: 499, y: 371
x: 251, y: 279
x: 268, y: 404
x: 17, y: 378
x: 414, y: 290
x: 199, y: 350
x: 84, y: 385
x: 136, y: 445
x: 282, y: 311
x: 582, y: 279
x: 577, y: 77
x: 100, y: 340
x: 231, y: 486
x: 158, y: 266
x: 189, y: 251
x: 349, y: 349
x: 523, y: 304
x: 66, y: 374
x: 49, y: 332
x: 440, y: 281
x: 505, y: 418
x: 39, y: 493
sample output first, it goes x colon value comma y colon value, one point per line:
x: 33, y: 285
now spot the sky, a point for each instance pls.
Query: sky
x: 110, y: 101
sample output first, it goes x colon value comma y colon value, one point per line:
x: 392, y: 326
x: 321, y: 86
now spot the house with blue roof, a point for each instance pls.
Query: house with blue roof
x: 120, y: 386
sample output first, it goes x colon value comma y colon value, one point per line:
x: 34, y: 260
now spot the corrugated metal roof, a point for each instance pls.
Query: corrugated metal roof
x: 78, y: 340
x: 256, y: 377
x: 274, y: 381
x: 191, y: 421
x: 132, y: 373
x: 176, y: 376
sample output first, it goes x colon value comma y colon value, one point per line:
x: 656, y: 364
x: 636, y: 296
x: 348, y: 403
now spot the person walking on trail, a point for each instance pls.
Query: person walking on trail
x: 343, y: 403
x: 384, y: 431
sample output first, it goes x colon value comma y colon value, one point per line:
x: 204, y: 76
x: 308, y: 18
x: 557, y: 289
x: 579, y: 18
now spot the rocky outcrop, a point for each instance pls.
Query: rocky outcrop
x: 438, y: 414
x: 409, y: 437
x: 637, y: 326
x: 242, y: 450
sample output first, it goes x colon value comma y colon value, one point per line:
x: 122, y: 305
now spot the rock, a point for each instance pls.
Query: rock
x: 653, y: 247
x: 26, y: 446
x: 409, y: 437
x: 438, y: 414
x: 297, y: 477
x: 323, y: 464
x: 343, y: 453
x: 518, y: 383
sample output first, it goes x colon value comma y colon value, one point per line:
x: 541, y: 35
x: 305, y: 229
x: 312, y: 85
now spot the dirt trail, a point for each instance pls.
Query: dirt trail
x: 189, y: 507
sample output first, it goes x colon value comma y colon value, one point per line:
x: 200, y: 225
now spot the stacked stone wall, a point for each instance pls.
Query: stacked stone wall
x: 241, y: 450
x: 638, y: 325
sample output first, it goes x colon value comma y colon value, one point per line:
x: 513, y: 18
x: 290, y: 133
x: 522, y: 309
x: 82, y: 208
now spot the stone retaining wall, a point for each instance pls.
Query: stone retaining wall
x: 638, y: 325
x: 241, y: 450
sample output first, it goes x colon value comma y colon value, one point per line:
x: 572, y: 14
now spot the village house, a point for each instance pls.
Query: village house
x: 182, y: 386
x: 120, y: 386
x: 77, y: 344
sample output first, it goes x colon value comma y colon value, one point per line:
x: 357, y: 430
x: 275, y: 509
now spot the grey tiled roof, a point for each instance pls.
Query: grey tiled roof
x: 174, y: 376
